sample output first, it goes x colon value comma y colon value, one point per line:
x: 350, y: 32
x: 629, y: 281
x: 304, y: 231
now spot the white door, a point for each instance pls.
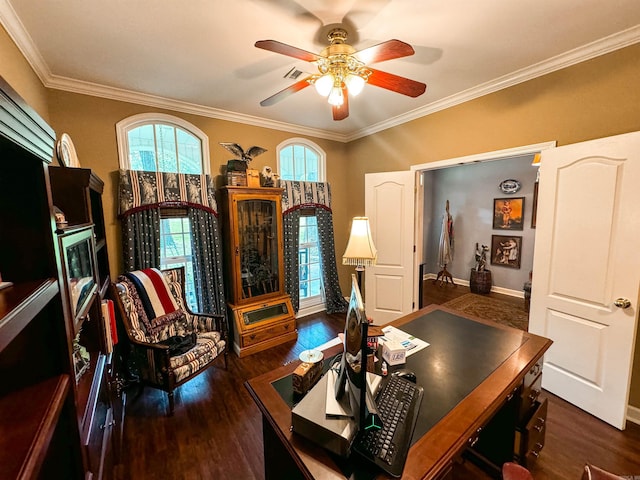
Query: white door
x: 586, y: 257
x: 389, y: 204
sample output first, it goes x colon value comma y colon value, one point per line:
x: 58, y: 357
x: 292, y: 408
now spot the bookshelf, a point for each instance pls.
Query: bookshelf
x: 38, y: 415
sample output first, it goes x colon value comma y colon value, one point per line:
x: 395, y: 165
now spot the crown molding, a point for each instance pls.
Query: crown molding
x: 24, y: 42
x: 112, y: 93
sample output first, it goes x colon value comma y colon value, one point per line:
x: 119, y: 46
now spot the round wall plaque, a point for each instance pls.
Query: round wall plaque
x: 509, y: 186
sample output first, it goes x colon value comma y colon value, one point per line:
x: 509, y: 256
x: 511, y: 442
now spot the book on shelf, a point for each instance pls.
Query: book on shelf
x: 109, y: 318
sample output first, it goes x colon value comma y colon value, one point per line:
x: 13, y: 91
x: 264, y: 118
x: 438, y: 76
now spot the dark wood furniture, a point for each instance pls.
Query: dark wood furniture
x: 476, y: 376
x: 78, y: 193
x: 261, y: 312
x: 38, y: 417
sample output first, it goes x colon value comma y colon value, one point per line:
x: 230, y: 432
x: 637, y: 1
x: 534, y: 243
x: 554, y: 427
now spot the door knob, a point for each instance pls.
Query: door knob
x: 622, y: 303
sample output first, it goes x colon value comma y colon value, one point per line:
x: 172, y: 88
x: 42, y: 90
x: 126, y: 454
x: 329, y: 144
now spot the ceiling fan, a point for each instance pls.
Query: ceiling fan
x: 342, y: 70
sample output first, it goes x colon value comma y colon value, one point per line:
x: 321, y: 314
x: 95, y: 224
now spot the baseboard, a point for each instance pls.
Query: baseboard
x: 633, y: 414
x: 465, y: 283
x: 303, y: 312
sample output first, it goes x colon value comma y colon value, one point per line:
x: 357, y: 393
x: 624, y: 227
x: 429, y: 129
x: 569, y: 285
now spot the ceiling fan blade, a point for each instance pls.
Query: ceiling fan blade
x: 282, y: 94
x: 341, y: 112
x: 396, y: 83
x: 284, y: 49
x: 385, y: 51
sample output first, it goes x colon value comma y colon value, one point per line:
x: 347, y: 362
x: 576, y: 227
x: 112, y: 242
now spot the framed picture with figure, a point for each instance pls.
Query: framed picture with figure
x: 506, y: 250
x: 508, y: 213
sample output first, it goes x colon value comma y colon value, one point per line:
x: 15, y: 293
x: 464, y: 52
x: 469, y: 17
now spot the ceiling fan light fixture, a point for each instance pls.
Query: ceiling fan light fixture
x: 324, y: 84
x: 355, y: 83
x: 335, y: 97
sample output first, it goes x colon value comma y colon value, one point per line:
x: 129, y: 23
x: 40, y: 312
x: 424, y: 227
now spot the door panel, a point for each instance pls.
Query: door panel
x: 586, y: 256
x: 390, y: 204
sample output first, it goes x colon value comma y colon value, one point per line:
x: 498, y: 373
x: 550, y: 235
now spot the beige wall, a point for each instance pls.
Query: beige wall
x: 15, y: 69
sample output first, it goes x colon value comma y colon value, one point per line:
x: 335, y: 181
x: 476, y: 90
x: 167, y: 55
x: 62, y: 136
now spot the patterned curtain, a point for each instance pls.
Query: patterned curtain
x: 334, y: 301
x: 141, y: 196
x: 141, y: 239
x: 291, y: 238
x: 207, y: 268
x: 317, y: 196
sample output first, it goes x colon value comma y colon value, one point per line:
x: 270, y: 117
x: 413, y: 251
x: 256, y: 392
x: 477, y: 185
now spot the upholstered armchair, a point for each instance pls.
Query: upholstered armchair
x: 168, y: 343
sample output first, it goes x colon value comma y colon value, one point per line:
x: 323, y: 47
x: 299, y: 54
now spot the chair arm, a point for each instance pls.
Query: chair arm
x: 160, y: 352
x: 218, y: 321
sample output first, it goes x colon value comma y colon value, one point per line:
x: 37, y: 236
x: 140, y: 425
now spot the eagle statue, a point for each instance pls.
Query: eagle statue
x: 239, y: 152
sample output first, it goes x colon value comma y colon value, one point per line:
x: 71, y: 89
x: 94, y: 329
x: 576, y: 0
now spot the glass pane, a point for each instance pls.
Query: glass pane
x: 304, y: 290
x: 315, y: 288
x: 286, y: 164
x: 258, y: 247
x: 189, y: 152
x: 167, y: 149
x: 142, y: 148
x: 314, y: 271
x: 311, y: 166
x: 175, y: 248
x: 298, y: 162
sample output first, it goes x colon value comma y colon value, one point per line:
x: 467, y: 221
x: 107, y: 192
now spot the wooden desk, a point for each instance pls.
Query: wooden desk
x: 469, y: 372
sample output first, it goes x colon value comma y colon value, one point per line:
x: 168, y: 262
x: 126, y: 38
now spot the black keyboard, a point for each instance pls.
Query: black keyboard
x: 398, y: 404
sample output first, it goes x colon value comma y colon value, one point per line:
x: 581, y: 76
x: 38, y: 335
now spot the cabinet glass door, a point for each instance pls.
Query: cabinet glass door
x: 258, y: 240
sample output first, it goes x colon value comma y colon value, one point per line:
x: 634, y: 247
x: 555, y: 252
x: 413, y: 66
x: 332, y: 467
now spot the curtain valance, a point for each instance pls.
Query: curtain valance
x: 140, y: 190
x: 298, y: 195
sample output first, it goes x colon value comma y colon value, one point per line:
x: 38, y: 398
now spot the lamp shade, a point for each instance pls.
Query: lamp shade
x: 360, y: 249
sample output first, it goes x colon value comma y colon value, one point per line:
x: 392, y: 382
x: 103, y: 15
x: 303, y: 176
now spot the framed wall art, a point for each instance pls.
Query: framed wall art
x: 508, y: 213
x: 506, y: 250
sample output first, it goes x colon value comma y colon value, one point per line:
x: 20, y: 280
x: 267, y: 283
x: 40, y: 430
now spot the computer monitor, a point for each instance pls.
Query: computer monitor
x: 352, y: 374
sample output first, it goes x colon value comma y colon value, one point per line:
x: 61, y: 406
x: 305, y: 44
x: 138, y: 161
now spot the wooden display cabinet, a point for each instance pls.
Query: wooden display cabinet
x: 261, y: 311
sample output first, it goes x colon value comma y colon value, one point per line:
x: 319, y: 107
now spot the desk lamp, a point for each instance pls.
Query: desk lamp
x: 360, y: 249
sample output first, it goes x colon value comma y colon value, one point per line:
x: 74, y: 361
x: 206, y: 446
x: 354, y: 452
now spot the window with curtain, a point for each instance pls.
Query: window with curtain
x: 299, y: 159
x: 163, y: 143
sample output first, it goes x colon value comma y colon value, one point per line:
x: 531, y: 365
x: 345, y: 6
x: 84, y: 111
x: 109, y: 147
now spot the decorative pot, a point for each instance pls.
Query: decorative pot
x: 480, y: 282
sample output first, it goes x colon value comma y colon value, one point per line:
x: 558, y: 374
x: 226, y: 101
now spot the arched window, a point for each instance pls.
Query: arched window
x: 164, y: 143
x: 300, y: 159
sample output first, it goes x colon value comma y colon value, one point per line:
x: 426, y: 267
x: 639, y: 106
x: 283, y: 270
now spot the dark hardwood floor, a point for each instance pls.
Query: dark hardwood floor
x: 216, y: 431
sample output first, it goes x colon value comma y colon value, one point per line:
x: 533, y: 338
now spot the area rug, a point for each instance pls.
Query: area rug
x: 489, y: 308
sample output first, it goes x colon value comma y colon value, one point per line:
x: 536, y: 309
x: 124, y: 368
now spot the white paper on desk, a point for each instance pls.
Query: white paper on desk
x: 342, y: 408
x: 409, y: 342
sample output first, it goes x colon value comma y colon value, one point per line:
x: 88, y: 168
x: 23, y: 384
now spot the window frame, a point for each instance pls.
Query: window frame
x: 123, y: 127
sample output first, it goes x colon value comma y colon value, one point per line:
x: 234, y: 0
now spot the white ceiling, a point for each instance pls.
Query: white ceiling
x: 198, y: 55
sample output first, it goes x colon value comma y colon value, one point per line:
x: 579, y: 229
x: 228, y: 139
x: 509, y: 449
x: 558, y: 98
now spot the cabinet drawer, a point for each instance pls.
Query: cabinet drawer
x: 257, y: 336
x: 530, y: 437
x: 529, y: 397
x: 533, y: 373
